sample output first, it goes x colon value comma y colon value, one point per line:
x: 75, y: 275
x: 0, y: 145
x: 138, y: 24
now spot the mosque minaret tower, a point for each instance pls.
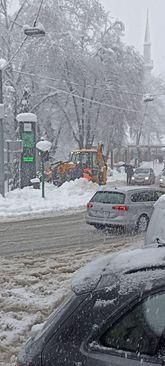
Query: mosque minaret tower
x: 148, y: 63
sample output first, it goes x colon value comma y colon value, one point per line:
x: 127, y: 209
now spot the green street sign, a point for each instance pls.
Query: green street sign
x: 28, y: 159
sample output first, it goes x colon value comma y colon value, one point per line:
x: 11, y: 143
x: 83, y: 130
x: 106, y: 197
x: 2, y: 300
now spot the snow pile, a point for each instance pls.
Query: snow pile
x: 71, y: 195
x: 118, y: 176
x: 28, y: 201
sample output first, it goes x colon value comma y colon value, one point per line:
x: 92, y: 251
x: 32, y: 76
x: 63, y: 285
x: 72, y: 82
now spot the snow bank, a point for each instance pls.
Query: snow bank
x: 28, y: 201
x: 118, y: 176
x: 70, y: 196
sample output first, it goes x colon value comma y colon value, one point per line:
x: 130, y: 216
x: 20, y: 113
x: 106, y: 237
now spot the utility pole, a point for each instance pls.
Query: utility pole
x: 2, y: 191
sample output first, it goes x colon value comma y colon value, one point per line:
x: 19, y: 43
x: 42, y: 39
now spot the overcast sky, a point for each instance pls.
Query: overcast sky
x: 133, y: 15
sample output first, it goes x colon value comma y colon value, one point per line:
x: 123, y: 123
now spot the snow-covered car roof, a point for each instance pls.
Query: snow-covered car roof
x: 156, y: 228
x: 110, y: 269
x: 160, y: 203
x: 126, y: 189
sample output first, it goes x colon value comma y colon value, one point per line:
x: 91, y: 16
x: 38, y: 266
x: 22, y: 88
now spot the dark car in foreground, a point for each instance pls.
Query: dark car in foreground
x: 127, y: 207
x: 143, y: 176
x: 115, y: 316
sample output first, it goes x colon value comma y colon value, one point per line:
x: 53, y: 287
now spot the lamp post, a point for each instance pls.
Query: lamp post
x: 147, y: 98
x: 2, y: 189
x: 44, y: 147
x: 32, y: 32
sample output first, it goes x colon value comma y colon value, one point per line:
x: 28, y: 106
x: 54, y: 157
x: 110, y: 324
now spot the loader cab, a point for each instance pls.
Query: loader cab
x: 86, y: 158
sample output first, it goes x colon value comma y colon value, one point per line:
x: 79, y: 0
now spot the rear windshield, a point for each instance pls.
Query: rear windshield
x: 109, y: 197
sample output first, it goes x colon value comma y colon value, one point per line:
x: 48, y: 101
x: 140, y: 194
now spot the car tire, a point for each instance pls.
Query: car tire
x: 142, y: 223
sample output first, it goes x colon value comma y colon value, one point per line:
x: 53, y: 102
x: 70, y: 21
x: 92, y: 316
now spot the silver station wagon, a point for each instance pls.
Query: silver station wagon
x: 128, y: 207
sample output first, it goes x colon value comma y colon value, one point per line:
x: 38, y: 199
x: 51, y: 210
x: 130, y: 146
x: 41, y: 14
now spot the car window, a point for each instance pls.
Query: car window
x: 141, y: 197
x: 141, y: 330
x: 99, y: 197
x: 109, y: 197
x: 150, y: 196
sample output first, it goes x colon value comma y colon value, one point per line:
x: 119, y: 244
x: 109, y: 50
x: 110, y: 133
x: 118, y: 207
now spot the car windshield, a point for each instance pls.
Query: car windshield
x: 85, y: 158
x: 142, y: 171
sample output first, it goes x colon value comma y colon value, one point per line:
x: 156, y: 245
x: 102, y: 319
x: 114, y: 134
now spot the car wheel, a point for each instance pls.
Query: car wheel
x: 142, y: 223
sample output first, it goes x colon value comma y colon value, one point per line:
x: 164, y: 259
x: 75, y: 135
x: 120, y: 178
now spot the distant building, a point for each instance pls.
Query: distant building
x: 148, y: 62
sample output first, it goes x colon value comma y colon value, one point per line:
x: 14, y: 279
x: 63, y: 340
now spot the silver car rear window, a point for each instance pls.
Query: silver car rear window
x: 109, y: 197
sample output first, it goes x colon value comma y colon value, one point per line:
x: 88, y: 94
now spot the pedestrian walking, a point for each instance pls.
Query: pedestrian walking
x: 130, y: 172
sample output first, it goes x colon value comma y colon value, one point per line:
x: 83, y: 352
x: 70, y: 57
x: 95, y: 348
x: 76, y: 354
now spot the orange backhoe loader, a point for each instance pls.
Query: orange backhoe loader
x: 90, y: 164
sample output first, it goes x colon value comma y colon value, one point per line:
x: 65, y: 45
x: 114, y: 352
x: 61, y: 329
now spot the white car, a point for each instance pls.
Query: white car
x: 156, y: 228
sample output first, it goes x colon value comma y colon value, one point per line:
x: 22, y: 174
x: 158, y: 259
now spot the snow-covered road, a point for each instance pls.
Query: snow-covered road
x: 33, y: 284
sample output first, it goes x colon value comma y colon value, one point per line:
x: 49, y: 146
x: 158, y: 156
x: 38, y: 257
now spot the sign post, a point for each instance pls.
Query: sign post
x: 13, y: 147
x: 2, y: 189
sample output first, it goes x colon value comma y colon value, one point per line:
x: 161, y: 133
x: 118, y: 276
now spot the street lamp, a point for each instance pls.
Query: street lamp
x: 35, y: 31
x: 2, y: 190
x: 147, y: 98
x: 44, y: 147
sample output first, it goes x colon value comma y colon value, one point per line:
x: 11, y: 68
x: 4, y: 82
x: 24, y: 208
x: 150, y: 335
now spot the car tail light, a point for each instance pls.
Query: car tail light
x: 120, y: 207
x: 89, y: 205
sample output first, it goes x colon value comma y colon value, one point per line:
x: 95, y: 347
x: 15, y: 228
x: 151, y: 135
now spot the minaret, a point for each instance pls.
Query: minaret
x: 148, y: 63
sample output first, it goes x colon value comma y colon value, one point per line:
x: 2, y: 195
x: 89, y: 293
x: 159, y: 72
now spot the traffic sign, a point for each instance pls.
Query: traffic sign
x: 14, y: 146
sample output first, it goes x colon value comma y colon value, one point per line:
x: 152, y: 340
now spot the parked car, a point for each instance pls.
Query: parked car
x: 129, y: 207
x: 114, y: 316
x: 143, y: 176
x: 156, y: 229
x: 162, y: 179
